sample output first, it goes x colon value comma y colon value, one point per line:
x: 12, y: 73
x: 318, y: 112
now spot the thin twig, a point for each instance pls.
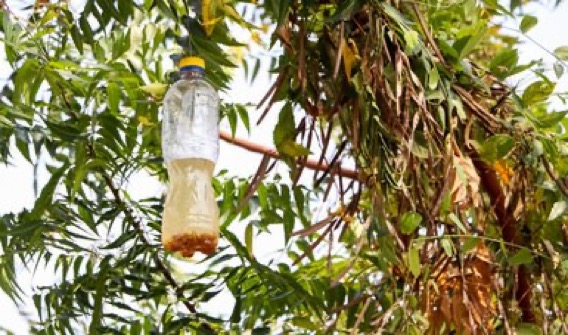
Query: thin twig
x: 558, y: 59
x: 138, y: 226
x: 558, y: 182
x: 271, y: 152
x: 429, y: 36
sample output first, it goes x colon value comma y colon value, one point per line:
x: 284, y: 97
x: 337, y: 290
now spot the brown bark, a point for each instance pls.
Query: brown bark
x: 271, y: 152
x: 510, y: 231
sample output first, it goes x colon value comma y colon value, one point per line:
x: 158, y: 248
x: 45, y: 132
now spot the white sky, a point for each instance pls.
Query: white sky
x: 16, y: 190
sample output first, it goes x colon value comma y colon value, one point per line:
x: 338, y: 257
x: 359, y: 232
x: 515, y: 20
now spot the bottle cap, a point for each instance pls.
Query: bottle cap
x: 192, y: 61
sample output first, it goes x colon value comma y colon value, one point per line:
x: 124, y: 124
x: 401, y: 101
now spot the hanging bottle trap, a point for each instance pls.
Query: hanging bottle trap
x: 190, y: 145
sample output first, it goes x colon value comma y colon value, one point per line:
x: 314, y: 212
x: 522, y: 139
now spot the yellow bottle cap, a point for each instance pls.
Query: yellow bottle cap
x: 192, y: 61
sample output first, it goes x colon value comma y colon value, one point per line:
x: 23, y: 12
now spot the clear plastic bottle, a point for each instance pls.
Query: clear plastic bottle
x: 190, y: 145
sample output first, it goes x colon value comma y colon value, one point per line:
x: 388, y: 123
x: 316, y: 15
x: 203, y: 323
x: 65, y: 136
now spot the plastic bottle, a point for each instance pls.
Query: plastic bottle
x: 190, y: 145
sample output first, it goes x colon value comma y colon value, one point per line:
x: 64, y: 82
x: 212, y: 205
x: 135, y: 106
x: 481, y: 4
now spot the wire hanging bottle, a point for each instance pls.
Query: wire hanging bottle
x: 190, y: 145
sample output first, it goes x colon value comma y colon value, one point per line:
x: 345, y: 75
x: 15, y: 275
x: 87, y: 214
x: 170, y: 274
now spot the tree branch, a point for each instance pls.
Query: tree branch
x: 137, y: 225
x: 159, y: 264
x: 271, y: 152
x: 558, y: 182
x: 140, y: 231
x: 509, y: 230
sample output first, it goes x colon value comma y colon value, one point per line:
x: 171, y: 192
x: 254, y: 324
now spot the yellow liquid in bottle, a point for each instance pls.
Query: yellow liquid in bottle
x: 191, y: 217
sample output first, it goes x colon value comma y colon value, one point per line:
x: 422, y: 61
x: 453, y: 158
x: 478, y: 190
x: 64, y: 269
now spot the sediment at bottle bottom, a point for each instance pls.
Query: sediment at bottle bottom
x: 188, y: 244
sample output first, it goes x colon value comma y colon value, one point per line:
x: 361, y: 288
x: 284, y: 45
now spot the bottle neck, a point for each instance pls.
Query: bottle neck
x: 191, y: 74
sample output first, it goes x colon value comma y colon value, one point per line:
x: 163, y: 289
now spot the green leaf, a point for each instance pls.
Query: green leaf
x: 411, y: 40
x: 80, y: 169
x: 293, y: 149
x: 496, y: 147
x: 528, y: 329
x: 414, y: 260
x: 155, y: 89
x: 285, y: 128
x: 77, y: 38
x: 243, y: 114
x: 558, y: 209
x: 448, y: 247
x: 562, y: 52
x: 504, y: 63
x: 212, y: 52
x: 551, y: 119
x: 433, y: 78
x: 523, y: 256
x: 284, y: 8
x: 409, y: 222
x: 86, y: 28
x: 46, y: 194
x: 457, y: 222
x: 558, y: 69
x: 232, y: 118
x: 527, y: 23
x: 305, y: 323
x: 255, y: 70
x: 25, y: 77
x: 113, y: 97
x: 537, y: 92
x: 470, y: 37
x: 97, y: 316
x: 344, y: 11
x: 249, y: 237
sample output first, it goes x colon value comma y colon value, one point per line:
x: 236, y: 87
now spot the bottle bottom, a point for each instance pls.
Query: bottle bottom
x: 190, y: 222
x: 188, y: 244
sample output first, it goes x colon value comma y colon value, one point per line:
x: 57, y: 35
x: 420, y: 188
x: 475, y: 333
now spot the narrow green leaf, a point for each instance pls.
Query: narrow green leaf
x: 232, y: 117
x: 414, y: 260
x: 284, y: 129
x: 97, y: 316
x: 248, y: 238
x: 457, y: 222
x: 243, y: 114
x: 46, y: 194
x: 447, y: 246
x: 255, y: 70
x: 409, y: 222
x: 86, y: 28
x: 551, y: 119
x: 113, y: 97
x: 284, y: 8
x: 77, y: 38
